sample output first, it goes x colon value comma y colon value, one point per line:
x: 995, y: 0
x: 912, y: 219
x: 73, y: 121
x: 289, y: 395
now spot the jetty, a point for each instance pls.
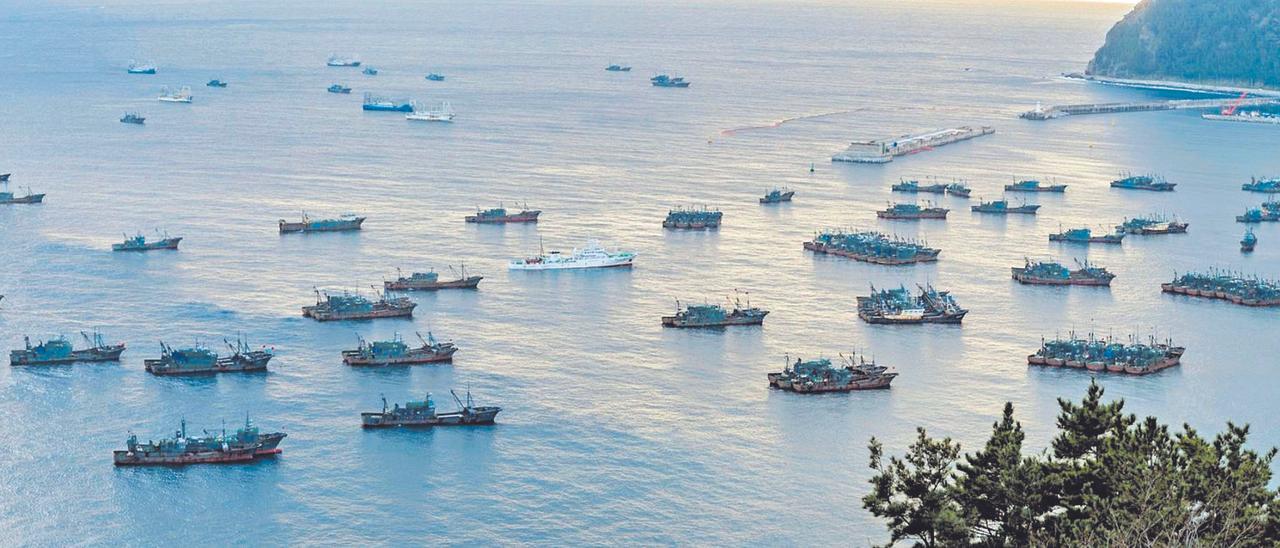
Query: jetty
x: 1042, y: 112
x: 882, y: 151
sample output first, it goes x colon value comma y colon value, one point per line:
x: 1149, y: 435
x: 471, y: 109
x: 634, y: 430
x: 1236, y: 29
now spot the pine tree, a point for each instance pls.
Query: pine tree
x: 915, y: 492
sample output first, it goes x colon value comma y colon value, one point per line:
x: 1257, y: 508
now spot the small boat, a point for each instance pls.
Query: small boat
x: 435, y: 77
x: 666, y: 81
x: 423, y: 414
x: 181, y: 95
x: 912, y: 212
x: 1086, y: 236
x: 500, y: 215
x: 958, y: 190
x: 1001, y: 207
x: 396, y: 352
x: 141, y: 68
x: 618, y: 68
x: 369, y: 71
x: 216, y: 83
x: 1034, y: 186
x: 1248, y: 242
x: 778, y: 195
x: 444, y: 113
x: 376, y: 103
x: 339, y: 88
x: 133, y: 118
x: 336, y: 60
x: 7, y: 197
x: 347, y: 221
x: 1143, y: 182
x: 140, y: 243
x: 430, y: 281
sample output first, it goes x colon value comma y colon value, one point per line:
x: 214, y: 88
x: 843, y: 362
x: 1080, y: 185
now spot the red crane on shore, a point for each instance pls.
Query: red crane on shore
x: 1230, y: 110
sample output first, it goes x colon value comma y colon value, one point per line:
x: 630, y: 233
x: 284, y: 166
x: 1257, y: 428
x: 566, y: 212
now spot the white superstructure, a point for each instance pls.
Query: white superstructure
x: 882, y: 151
x: 182, y: 95
x: 442, y: 114
x: 590, y: 256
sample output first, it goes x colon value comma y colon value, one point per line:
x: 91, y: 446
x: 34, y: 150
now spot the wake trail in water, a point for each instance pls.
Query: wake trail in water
x: 778, y: 123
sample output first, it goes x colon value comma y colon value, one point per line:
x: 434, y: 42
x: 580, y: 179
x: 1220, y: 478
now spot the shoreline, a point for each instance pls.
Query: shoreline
x: 1171, y: 85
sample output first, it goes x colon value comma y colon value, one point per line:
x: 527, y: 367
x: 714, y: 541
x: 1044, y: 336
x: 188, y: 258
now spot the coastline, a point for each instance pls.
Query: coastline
x: 1171, y: 85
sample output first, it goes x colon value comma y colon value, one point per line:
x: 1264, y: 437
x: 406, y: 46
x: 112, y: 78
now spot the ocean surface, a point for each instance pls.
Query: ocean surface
x: 613, y: 430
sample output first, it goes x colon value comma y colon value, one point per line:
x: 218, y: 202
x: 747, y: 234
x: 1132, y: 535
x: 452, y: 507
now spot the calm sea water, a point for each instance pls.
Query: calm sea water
x: 613, y: 430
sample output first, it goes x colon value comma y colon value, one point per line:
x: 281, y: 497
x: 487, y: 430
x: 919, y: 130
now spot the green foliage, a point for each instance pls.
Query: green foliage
x: 1205, y: 41
x: 1110, y: 480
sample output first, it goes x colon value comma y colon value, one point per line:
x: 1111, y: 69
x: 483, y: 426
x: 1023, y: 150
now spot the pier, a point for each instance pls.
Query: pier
x: 882, y: 151
x: 1049, y: 113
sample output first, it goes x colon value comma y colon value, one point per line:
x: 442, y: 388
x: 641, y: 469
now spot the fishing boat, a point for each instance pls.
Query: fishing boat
x: 872, y: 247
x: 369, y: 71
x: 959, y: 190
x: 435, y: 77
x: 199, y: 360
x: 1152, y: 224
x: 247, y: 445
x: 500, y: 215
x: 339, y: 88
x: 898, y: 306
x: 911, y: 212
x: 1228, y: 286
x: 430, y: 281
x: 1051, y: 273
x: 1034, y: 186
x: 1248, y: 242
x: 1259, y: 215
x: 383, y: 104
x: 7, y: 197
x: 141, y: 68
x: 1269, y: 185
x: 344, y: 222
x: 777, y: 196
x: 819, y: 376
x: 139, y: 243
x: 1086, y: 236
x: 593, y: 255
x: 60, y: 351
x: 714, y: 315
x: 692, y: 218
x: 442, y: 113
x: 336, y: 60
x: 1109, y: 355
x: 133, y: 118
x: 914, y: 187
x: 1143, y: 182
x: 1001, y: 207
x: 4, y: 177
x: 349, y: 306
x: 396, y: 352
x: 216, y: 83
x: 422, y: 414
x: 618, y: 68
x: 667, y: 81
x: 180, y: 95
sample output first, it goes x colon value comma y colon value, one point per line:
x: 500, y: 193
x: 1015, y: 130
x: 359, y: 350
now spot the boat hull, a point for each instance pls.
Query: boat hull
x: 470, y: 282
x: 230, y: 364
x: 523, y: 217
x: 926, y: 256
x: 912, y: 216
x: 1020, y: 274
x: 322, y: 315
x: 88, y: 355
x: 871, y: 318
x: 344, y: 226
x: 674, y: 321
x: 621, y: 263
x: 127, y: 458
x: 480, y: 416
x: 353, y: 358
x: 166, y: 244
x: 1236, y: 299
x: 28, y: 199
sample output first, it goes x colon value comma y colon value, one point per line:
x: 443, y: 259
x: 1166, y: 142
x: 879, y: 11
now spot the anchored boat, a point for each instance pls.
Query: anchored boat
x: 1267, y: 185
x: 141, y: 68
x: 692, y: 218
x: 872, y: 247
x: 714, y: 315
x: 1227, y: 286
x: 590, y: 256
x: 339, y: 88
x: 777, y: 196
x: 396, y: 352
x: 818, y: 376
x: 618, y: 68
x: 199, y: 360
x: 1034, y: 186
x: 1001, y: 207
x: 500, y: 215
x: 1152, y: 224
x: 897, y: 306
x: 423, y: 414
x: 140, y: 243
x: 336, y: 60
x: 247, y: 445
x: 914, y: 187
x: 370, y: 71
x: 376, y: 103
x: 1143, y: 182
x: 1086, y: 236
x: 216, y: 83
x: 348, y: 306
x: 133, y: 118
x: 443, y: 113
x: 435, y: 77
x: 59, y: 350
x: 911, y: 212
x: 345, y: 222
x: 1248, y: 242
x: 666, y: 81
x: 959, y: 190
x: 430, y: 281
x: 1260, y: 214
x: 1108, y: 355
x: 1051, y: 273
x: 7, y: 197
x: 180, y: 95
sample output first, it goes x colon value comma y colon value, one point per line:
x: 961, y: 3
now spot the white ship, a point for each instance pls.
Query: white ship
x: 336, y: 60
x: 182, y: 95
x: 591, y: 256
x: 882, y: 151
x: 442, y: 114
x: 1252, y: 116
x: 141, y: 68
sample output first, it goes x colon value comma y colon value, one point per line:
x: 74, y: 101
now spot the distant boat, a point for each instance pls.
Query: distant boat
x: 339, y: 88
x: 216, y: 83
x: 133, y: 118
x: 618, y: 68
x: 370, y: 71
x: 4, y: 177
x: 375, y: 103
x: 144, y: 68
x: 140, y: 243
x: 591, y: 256
x: 336, y: 60
x: 435, y: 77
x: 666, y: 81
x: 182, y: 95
x: 442, y: 114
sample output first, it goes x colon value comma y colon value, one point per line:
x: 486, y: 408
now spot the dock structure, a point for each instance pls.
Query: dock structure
x: 883, y: 151
x: 1048, y: 113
